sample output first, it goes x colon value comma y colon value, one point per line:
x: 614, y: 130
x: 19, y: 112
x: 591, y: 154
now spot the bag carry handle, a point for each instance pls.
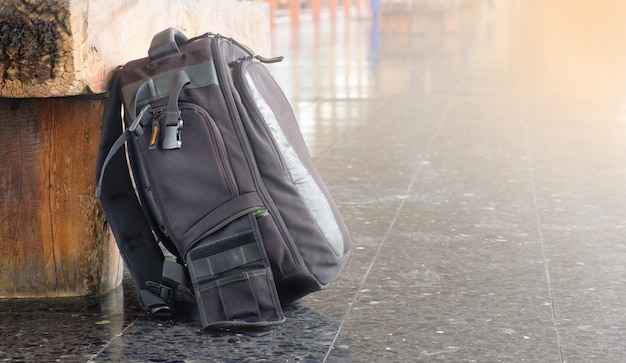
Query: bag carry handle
x: 166, y: 43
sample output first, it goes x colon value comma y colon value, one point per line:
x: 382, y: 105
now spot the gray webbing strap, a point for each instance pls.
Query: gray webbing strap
x: 226, y: 260
x: 173, y: 121
x: 137, y: 245
x: 168, y: 290
x: 174, y: 271
x: 161, y: 85
x: 135, y: 129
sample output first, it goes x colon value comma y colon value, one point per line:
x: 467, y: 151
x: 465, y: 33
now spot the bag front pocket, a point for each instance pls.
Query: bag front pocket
x: 177, y: 180
x: 233, y: 283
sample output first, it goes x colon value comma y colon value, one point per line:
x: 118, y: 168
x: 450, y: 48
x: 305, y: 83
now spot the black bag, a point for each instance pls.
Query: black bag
x: 201, y: 152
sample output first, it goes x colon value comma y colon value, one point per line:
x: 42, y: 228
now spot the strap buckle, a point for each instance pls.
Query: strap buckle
x: 171, y: 135
x: 162, y: 291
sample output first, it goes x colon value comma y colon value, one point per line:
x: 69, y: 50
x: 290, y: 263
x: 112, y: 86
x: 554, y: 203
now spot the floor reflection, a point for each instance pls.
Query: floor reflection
x: 541, y: 48
x: 61, y: 329
x: 477, y: 151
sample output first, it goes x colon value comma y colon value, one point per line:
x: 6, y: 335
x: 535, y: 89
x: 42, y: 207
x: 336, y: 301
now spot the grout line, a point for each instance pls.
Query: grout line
x: 117, y: 336
x: 531, y: 172
x: 417, y: 172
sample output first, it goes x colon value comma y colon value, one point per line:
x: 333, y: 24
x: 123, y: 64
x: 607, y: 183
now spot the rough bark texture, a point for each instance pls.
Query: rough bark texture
x: 35, y: 46
x: 52, y: 48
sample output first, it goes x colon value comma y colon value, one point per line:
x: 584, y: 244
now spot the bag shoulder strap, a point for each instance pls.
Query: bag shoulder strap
x: 131, y: 229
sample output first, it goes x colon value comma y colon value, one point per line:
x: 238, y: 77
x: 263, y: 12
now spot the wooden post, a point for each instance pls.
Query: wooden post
x: 56, y: 58
x: 53, y: 234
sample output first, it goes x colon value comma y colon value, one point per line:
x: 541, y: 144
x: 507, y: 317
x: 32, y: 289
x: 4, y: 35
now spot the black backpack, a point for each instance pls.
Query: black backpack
x: 209, y: 189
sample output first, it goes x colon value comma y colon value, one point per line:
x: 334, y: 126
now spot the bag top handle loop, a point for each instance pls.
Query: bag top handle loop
x: 166, y: 43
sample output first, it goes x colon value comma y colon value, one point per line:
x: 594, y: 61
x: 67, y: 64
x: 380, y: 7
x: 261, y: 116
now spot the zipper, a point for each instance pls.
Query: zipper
x: 222, y: 74
x: 258, y: 212
x: 220, y: 148
x: 155, y: 128
x: 217, y: 142
x: 253, y: 110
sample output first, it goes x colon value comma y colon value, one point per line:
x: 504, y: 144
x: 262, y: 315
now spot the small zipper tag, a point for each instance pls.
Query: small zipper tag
x: 269, y: 60
x: 155, y: 134
x: 257, y: 57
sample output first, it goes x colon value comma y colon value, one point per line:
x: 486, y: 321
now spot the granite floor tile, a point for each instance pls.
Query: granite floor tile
x: 477, y: 151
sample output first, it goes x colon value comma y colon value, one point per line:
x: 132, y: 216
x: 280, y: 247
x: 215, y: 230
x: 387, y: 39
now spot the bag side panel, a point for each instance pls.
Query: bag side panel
x: 304, y: 202
x: 292, y: 276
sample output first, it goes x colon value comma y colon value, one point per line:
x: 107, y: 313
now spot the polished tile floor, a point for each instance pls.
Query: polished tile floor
x: 477, y: 149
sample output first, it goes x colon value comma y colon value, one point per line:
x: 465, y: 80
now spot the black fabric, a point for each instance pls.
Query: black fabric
x: 237, y: 288
x: 225, y: 255
x: 125, y: 216
x: 197, y: 190
x: 222, y: 245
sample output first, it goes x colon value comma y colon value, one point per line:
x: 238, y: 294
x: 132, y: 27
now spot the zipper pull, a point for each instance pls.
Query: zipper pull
x: 269, y: 60
x: 155, y: 134
x: 154, y: 138
x: 251, y: 53
x: 257, y: 57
